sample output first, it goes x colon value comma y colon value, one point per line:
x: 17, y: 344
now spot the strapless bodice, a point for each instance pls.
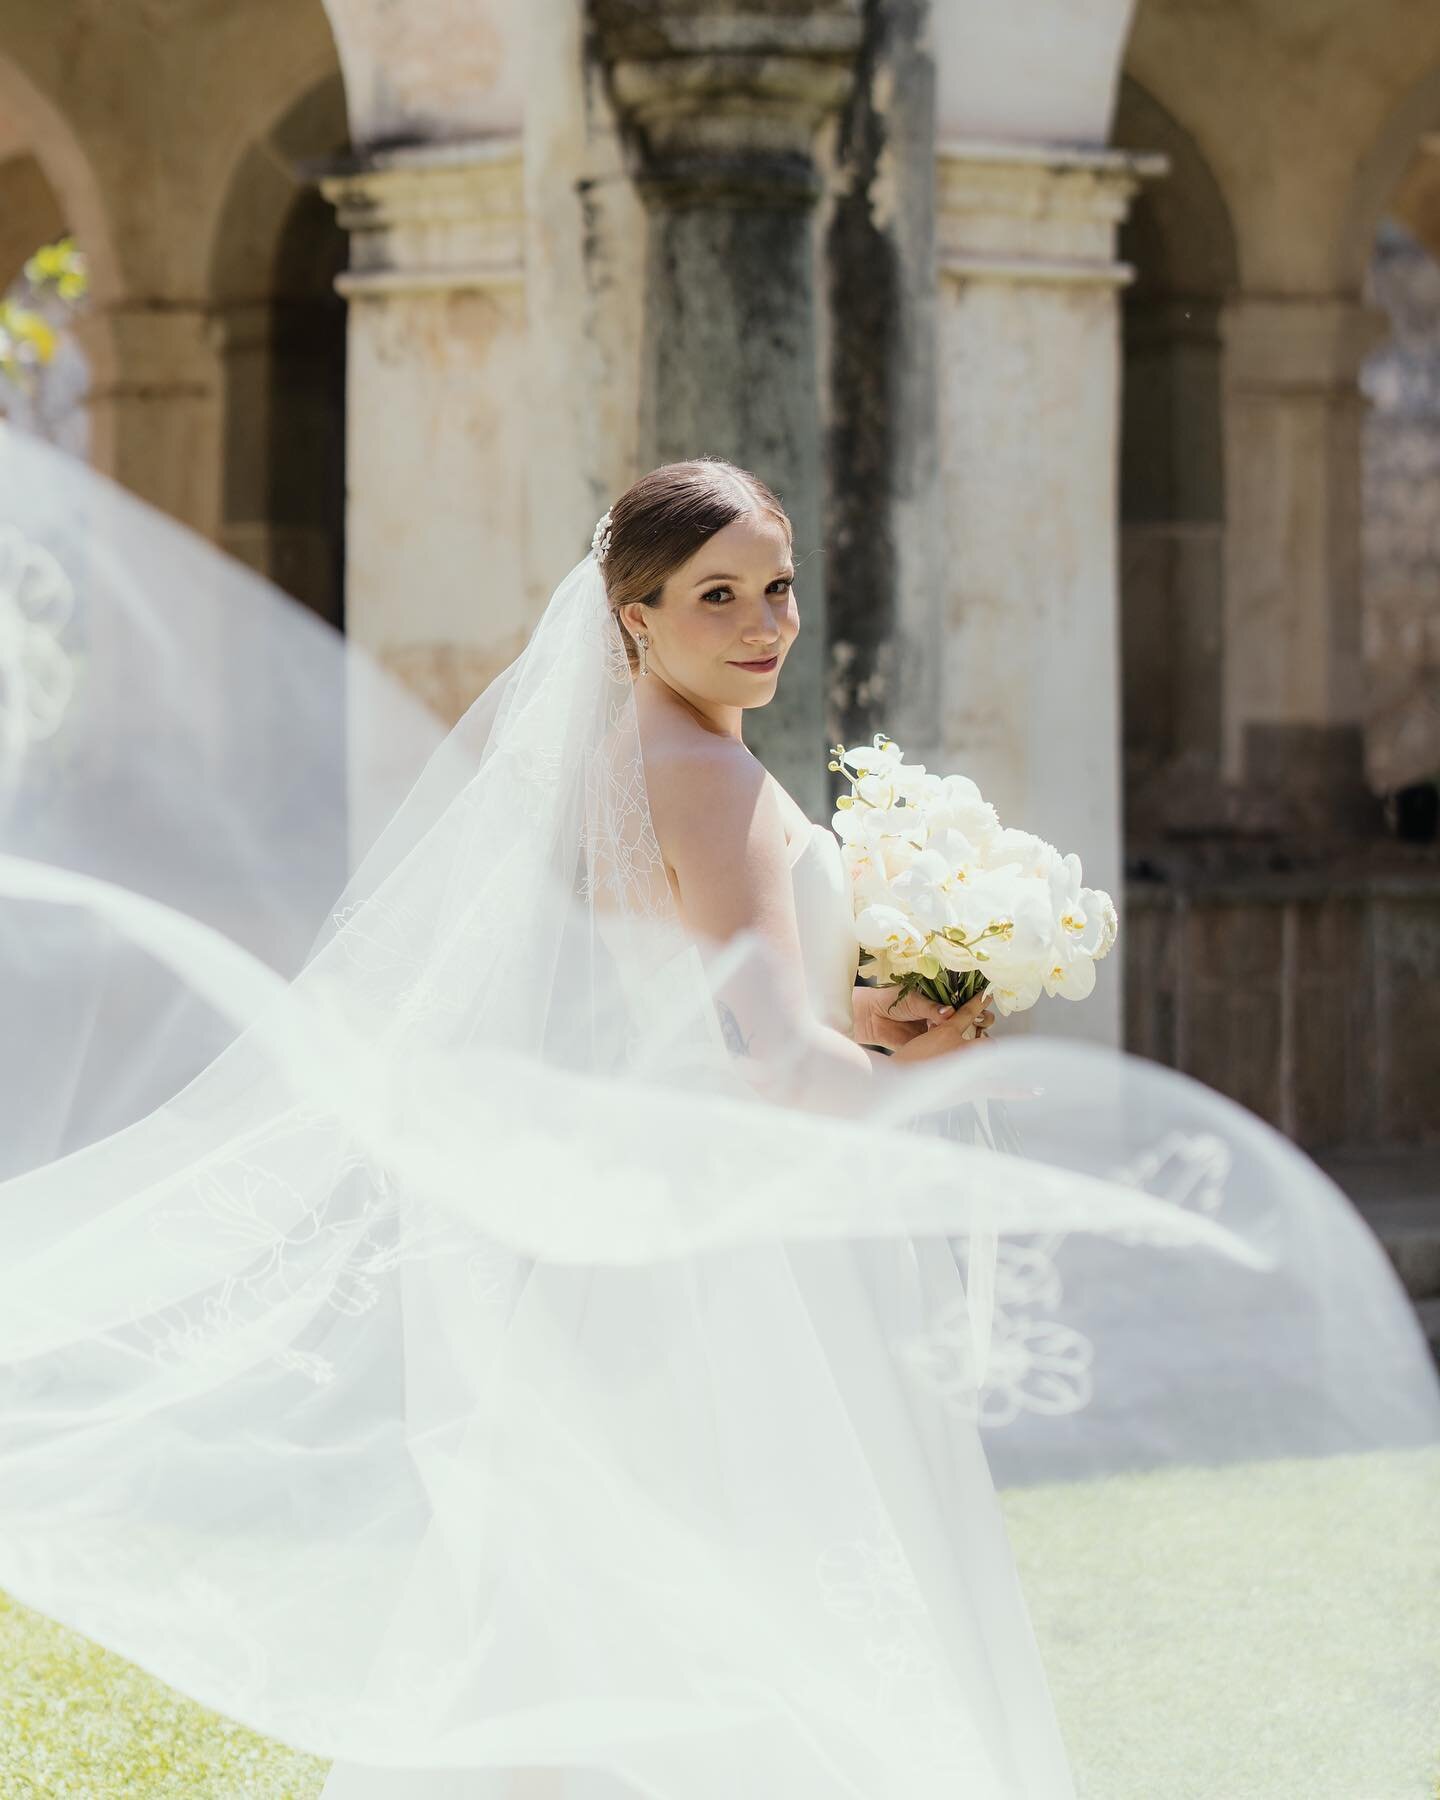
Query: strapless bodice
x: 827, y: 930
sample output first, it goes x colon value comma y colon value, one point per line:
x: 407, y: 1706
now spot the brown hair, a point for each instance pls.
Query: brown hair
x: 660, y: 521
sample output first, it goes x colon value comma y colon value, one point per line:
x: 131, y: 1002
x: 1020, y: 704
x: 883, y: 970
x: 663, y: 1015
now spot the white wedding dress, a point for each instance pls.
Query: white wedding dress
x: 826, y: 920
x: 950, y: 1557
x: 441, y: 1350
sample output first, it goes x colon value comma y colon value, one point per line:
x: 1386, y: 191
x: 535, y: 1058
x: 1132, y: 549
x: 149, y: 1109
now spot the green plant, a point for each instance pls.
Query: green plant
x: 54, y: 283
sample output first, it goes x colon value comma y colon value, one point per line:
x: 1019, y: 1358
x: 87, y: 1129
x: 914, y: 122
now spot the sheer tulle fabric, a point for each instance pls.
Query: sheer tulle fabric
x: 422, y: 1340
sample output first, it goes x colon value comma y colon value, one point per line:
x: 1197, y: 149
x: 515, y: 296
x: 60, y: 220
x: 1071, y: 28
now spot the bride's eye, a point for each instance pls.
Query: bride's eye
x: 783, y: 581
x: 722, y: 593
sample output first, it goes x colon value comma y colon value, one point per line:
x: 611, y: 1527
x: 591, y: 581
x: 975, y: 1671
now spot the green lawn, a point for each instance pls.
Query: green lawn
x: 78, y: 1723
x: 1117, y: 1574
x: 1252, y: 1571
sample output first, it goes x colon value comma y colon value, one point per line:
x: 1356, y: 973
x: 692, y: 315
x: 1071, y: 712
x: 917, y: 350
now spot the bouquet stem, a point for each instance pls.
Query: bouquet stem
x: 951, y: 987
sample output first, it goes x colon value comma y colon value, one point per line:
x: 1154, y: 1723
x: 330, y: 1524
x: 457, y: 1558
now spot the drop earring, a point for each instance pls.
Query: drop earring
x: 644, y: 644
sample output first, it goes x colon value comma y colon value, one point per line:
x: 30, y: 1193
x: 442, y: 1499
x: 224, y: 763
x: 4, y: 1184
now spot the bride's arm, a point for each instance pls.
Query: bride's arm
x: 722, y: 833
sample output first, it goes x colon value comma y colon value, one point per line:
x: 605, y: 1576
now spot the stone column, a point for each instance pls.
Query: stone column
x: 1029, y: 411
x: 723, y: 110
x: 1293, y: 688
x: 436, y: 450
x: 154, y: 402
x: 879, y: 404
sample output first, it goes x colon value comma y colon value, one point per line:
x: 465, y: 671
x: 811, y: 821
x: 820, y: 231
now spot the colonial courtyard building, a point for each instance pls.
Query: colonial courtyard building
x: 1094, y: 350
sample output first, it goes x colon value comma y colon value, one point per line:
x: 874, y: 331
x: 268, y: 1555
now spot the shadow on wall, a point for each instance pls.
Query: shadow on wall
x: 283, y: 332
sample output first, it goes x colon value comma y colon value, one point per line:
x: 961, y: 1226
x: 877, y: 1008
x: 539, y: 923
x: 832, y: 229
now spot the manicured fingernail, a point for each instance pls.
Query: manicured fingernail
x: 946, y: 1011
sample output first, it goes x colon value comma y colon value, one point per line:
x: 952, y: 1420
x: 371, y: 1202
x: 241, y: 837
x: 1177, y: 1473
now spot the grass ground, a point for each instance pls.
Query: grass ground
x: 1198, y: 1625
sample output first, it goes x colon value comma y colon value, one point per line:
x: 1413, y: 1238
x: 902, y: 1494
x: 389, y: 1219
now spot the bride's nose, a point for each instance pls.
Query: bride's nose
x: 765, y: 631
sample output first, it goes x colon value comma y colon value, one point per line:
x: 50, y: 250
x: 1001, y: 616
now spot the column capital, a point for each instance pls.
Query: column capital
x: 724, y: 106
x: 1033, y: 212
x: 1298, y: 343
x: 430, y: 217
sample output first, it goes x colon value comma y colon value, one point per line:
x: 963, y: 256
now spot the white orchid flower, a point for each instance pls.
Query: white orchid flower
x: 887, y: 928
x: 962, y: 852
x: 1100, y: 913
x: 1071, y: 974
x: 875, y: 790
x: 897, y: 855
x: 1012, y: 996
x: 1021, y: 850
x: 959, y: 805
x: 938, y: 884
x: 865, y: 759
x: 919, y: 891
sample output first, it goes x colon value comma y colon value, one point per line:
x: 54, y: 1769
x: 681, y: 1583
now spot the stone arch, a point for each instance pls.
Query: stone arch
x: 275, y: 254
x: 48, y: 187
x: 1180, y: 240
x: 31, y: 212
x: 1416, y: 202
x: 1380, y: 173
x: 37, y: 126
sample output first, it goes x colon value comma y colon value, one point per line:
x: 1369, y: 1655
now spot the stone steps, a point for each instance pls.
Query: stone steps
x: 1429, y: 1311
x: 1398, y: 1195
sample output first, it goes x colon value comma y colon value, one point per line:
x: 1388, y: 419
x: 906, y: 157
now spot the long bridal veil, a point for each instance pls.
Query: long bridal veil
x: 424, y: 1339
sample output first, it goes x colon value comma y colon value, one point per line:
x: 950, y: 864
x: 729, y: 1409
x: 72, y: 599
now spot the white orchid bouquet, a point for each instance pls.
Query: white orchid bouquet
x: 949, y: 902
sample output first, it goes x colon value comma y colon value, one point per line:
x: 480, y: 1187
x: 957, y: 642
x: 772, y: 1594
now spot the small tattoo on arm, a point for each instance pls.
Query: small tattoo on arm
x: 735, y: 1040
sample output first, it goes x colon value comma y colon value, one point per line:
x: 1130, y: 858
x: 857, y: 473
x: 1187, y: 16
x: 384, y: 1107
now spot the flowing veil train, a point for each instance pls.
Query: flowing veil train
x: 422, y: 1341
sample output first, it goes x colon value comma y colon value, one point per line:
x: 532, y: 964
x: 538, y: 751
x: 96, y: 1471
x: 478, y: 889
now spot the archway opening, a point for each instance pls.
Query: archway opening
x: 1401, y: 541
x: 1180, y: 242
x: 44, y: 373
x: 283, y: 331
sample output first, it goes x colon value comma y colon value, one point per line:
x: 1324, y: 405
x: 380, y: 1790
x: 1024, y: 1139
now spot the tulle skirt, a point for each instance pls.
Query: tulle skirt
x: 424, y: 1342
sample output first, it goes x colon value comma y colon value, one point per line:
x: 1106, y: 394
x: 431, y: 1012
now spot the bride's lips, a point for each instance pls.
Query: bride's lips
x: 760, y: 668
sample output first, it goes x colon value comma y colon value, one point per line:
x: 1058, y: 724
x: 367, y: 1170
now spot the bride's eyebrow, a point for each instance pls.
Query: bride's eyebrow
x: 705, y: 582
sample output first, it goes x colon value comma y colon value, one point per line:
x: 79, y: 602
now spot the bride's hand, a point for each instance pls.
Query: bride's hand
x: 890, y: 1021
x: 944, y: 1035
x: 887, y: 1018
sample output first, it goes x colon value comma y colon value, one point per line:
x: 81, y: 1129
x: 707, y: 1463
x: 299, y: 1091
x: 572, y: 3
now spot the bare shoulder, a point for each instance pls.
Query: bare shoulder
x: 701, y: 783
x: 709, y: 795
x: 719, y: 818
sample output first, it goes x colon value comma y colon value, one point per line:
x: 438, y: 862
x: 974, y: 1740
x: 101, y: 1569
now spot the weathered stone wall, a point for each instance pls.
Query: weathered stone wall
x: 546, y: 234
x: 1402, y: 517
x: 1309, y: 1000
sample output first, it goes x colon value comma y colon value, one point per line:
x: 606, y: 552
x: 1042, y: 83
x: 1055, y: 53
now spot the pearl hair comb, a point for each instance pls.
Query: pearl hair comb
x: 600, y: 542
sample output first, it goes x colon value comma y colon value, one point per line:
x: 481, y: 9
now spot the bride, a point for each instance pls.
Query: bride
x: 698, y: 567
x: 542, y: 1345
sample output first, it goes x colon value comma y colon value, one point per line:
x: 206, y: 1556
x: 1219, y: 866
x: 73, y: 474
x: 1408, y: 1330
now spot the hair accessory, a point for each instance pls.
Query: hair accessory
x: 600, y: 542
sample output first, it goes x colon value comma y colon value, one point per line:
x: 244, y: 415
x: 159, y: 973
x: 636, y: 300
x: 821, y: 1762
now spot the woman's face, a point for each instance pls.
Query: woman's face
x: 730, y: 605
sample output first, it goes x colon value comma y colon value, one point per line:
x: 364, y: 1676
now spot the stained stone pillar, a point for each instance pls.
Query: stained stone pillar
x: 1029, y: 418
x: 1292, y: 690
x: 882, y: 533
x: 436, y: 447
x: 723, y: 108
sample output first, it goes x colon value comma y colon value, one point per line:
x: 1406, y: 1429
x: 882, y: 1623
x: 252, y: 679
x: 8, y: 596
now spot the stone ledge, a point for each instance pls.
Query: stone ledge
x: 1260, y: 886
